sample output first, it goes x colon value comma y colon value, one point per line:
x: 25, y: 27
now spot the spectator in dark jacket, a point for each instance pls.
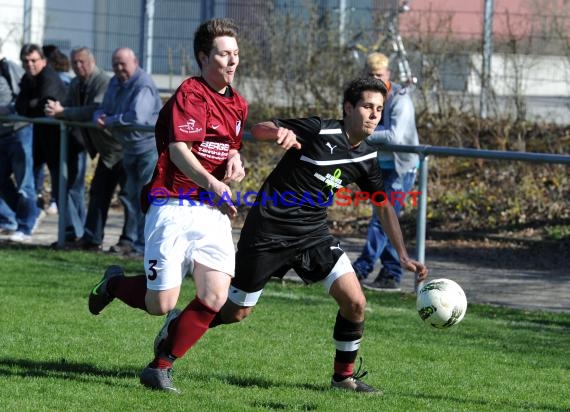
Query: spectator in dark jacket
x: 60, y: 63
x: 40, y: 83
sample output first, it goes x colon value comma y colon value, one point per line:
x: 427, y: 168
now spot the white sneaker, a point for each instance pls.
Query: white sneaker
x: 52, y: 209
x: 20, y: 237
x: 39, y: 219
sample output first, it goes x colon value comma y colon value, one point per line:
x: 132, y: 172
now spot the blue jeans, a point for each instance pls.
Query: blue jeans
x: 377, y: 244
x: 76, y: 209
x: 19, y: 195
x: 7, y: 215
x: 138, y: 169
x: 75, y: 202
x: 103, y: 187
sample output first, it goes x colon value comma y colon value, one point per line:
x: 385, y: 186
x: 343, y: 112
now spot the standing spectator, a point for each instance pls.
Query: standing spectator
x: 198, y: 135
x: 131, y: 99
x: 40, y: 83
x: 85, y: 94
x: 398, y: 126
x: 8, y: 91
x: 60, y: 63
x: 18, y: 211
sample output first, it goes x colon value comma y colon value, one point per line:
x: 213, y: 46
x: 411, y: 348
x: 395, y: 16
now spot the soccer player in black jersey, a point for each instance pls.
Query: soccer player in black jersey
x: 287, y: 228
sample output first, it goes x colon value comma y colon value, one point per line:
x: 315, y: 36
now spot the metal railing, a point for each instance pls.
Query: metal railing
x: 63, y: 145
x: 423, y: 151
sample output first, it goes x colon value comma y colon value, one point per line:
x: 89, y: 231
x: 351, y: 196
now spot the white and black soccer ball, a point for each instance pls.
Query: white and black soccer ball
x: 441, y: 303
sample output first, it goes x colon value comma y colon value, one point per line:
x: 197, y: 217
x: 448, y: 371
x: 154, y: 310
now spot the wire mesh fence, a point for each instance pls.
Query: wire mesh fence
x: 305, y: 50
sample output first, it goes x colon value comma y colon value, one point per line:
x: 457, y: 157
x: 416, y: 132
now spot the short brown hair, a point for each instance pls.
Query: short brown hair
x: 208, y: 31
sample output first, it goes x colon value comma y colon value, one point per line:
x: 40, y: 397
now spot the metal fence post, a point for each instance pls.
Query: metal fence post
x: 487, y: 56
x: 421, y: 220
x: 62, y: 193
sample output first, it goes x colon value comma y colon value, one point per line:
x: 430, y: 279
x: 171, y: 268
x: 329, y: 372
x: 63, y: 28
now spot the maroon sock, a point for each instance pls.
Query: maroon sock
x: 129, y: 289
x: 343, y: 370
x: 161, y: 363
x: 189, y: 327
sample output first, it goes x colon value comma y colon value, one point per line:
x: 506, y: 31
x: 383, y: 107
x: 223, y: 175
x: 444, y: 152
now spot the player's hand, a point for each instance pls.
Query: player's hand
x: 287, y: 139
x: 235, y: 170
x: 421, y: 271
x: 414, y: 266
x: 223, y: 196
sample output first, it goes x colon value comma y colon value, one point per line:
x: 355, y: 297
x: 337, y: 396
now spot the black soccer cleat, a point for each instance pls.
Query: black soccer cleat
x: 158, y: 379
x: 99, y: 297
x: 353, y: 383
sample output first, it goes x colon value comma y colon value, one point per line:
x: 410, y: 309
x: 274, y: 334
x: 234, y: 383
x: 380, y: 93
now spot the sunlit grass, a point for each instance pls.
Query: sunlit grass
x: 54, y: 355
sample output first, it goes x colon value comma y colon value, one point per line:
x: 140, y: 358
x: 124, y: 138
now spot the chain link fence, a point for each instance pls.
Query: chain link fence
x: 443, y: 40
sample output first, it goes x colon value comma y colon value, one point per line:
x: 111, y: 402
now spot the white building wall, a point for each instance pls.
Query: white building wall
x: 66, y: 24
x: 11, y: 28
x: 525, y: 75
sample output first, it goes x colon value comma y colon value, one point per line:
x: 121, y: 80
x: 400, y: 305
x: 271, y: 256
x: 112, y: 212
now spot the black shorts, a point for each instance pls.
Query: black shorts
x: 259, y: 261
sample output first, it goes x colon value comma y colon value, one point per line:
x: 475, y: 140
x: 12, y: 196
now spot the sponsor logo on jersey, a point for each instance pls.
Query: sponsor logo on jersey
x: 214, y: 150
x: 189, y: 127
x: 333, y: 181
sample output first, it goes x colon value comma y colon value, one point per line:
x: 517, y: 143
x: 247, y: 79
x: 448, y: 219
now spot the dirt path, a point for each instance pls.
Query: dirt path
x: 525, y: 275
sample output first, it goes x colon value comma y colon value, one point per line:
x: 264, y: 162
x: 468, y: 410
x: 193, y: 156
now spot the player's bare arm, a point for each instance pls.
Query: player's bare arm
x: 267, y: 131
x: 182, y: 156
x: 389, y: 221
x: 235, y: 170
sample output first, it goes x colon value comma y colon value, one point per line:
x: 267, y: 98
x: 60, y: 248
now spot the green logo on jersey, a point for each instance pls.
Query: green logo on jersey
x: 334, y: 181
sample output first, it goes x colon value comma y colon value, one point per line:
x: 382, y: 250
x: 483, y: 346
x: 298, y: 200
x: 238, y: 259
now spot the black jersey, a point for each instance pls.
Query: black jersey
x: 292, y: 202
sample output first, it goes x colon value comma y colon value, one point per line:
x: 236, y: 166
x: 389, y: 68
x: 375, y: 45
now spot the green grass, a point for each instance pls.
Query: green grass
x: 55, y: 356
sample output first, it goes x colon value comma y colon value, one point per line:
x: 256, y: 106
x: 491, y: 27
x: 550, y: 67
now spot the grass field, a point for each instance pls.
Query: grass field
x: 55, y: 356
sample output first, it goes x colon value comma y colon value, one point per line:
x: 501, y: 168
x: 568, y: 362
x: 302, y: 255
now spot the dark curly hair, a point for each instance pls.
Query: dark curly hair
x: 354, y: 89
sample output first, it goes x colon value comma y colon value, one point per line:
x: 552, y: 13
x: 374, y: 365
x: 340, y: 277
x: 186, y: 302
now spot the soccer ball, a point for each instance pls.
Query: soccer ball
x: 441, y: 303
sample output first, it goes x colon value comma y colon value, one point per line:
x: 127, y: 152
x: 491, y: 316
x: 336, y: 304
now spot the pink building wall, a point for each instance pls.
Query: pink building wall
x: 511, y: 17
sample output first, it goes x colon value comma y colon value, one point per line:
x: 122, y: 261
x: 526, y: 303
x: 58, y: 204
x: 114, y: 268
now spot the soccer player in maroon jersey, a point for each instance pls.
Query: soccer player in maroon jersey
x: 198, y: 136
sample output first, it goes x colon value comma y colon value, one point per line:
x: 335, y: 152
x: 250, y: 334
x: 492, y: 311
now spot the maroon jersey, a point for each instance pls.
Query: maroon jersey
x: 212, y: 122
